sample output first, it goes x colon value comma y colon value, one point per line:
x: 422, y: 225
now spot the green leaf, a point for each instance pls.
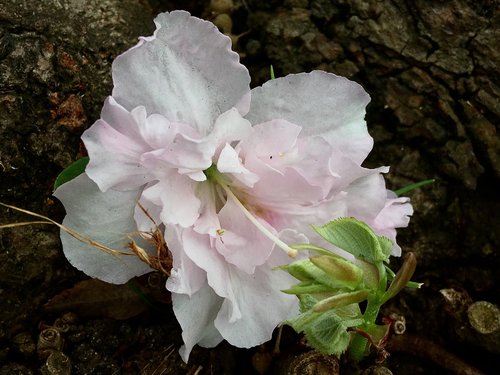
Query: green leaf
x: 327, y: 332
x: 357, y: 238
x: 73, y: 170
x: 414, y: 186
x: 341, y: 269
x: 301, y: 321
x: 306, y: 302
x: 271, y: 71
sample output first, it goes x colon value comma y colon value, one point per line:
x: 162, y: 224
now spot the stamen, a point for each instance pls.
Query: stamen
x: 292, y: 253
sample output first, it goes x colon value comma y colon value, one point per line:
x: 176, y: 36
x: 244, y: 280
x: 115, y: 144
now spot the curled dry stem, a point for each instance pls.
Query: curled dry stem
x: 162, y: 261
x: 69, y: 231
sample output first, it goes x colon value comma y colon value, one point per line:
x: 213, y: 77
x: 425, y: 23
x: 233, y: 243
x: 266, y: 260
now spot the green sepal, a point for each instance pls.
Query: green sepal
x: 371, y: 275
x: 341, y: 300
x: 344, y: 271
x: 70, y: 172
x: 305, y: 270
x: 402, y: 278
x: 410, y: 284
x: 357, y: 238
x: 310, y: 247
x: 308, y: 287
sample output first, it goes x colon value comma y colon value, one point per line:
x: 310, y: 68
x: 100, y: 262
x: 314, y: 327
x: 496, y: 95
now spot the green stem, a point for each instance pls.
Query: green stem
x: 359, y: 343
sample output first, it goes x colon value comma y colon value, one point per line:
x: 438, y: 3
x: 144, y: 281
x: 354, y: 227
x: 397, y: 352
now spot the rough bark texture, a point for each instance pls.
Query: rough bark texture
x: 432, y: 70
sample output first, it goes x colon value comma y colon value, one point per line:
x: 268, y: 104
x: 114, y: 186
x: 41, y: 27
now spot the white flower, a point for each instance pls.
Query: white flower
x: 232, y: 174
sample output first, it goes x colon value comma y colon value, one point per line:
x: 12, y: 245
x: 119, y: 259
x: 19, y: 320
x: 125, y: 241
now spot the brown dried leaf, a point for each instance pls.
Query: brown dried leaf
x: 95, y: 298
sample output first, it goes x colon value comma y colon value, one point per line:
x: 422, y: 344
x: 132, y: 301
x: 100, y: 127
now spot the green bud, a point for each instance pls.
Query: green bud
x: 342, y: 270
x: 340, y: 300
x: 306, y: 270
x: 402, y: 277
x: 308, y: 287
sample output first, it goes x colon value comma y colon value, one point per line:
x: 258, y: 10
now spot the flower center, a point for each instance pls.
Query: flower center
x: 218, y: 178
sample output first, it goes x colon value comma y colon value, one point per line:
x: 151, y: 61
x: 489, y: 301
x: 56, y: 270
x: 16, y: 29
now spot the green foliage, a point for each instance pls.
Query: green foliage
x: 331, y: 288
x: 73, y: 170
x: 357, y: 238
x: 326, y: 331
x: 414, y: 186
x: 271, y: 72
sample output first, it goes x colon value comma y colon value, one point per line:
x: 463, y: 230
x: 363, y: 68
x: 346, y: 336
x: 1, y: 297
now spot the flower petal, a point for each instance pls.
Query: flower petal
x: 107, y: 218
x: 117, y: 141
x: 239, y: 241
x: 260, y: 300
x: 245, y: 319
x: 185, y: 277
x: 186, y: 72
x: 196, y: 315
x: 322, y: 104
x: 366, y: 197
x: 175, y: 193
x: 229, y: 162
x: 395, y: 214
x: 208, y: 221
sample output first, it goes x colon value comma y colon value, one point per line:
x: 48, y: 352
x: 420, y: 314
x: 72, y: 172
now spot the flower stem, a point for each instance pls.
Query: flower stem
x: 290, y: 252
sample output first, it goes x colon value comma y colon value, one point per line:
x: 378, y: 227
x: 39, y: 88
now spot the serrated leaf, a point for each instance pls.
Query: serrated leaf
x: 328, y: 332
x: 301, y: 321
x: 349, y: 312
x: 357, y: 238
x: 342, y: 270
x: 306, y: 302
x: 73, y: 170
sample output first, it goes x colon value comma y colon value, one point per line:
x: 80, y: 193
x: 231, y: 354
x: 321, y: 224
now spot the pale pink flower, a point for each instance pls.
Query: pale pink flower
x: 233, y: 175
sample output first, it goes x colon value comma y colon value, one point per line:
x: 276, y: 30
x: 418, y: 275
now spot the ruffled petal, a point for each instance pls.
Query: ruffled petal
x: 185, y: 276
x: 395, y: 214
x: 239, y: 241
x: 366, y: 197
x: 118, y: 140
x: 176, y: 194
x: 260, y: 300
x: 107, y: 218
x: 245, y: 319
x: 229, y: 126
x: 196, y: 315
x: 347, y: 171
x: 208, y: 221
x: 199, y: 249
x: 186, y: 72
x: 229, y: 162
x: 322, y: 104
